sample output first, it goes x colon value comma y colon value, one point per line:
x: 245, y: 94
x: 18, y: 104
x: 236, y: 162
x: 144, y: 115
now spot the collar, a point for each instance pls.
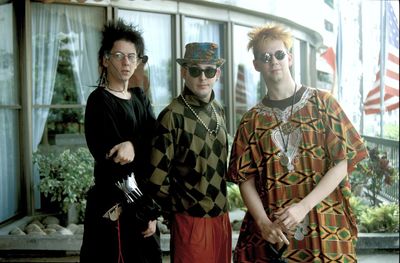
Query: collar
x: 194, y: 100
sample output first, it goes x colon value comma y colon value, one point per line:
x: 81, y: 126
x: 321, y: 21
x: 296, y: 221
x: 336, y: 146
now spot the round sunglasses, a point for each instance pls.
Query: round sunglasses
x: 267, y: 57
x: 196, y: 71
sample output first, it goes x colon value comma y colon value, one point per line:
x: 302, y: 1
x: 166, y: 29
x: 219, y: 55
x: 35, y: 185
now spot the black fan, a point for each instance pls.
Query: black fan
x: 136, y: 204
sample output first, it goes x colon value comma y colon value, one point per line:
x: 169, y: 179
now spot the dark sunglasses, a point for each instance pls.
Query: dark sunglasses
x: 267, y: 57
x: 196, y: 71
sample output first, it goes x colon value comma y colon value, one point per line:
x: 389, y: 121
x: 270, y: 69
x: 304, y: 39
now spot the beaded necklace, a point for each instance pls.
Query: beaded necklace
x: 211, y: 132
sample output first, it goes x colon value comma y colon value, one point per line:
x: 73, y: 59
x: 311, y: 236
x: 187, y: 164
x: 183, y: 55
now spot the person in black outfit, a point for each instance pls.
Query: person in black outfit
x: 118, y: 125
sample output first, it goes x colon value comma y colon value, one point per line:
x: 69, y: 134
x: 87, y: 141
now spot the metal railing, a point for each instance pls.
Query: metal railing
x: 391, y: 147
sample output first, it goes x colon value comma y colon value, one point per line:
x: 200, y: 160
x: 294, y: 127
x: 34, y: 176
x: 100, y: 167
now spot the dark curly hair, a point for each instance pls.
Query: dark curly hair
x: 119, y: 30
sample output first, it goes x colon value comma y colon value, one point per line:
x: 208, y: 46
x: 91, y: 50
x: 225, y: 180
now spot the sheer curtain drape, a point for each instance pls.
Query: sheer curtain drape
x: 81, y: 24
x: 50, y: 24
x: 10, y: 192
x: 156, y: 30
x: 46, y: 29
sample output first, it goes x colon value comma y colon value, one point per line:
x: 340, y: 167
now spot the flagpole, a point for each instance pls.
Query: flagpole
x: 382, y: 65
x: 361, y: 57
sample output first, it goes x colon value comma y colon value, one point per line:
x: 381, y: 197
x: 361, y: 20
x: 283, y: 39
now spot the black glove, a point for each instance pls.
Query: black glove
x: 275, y: 255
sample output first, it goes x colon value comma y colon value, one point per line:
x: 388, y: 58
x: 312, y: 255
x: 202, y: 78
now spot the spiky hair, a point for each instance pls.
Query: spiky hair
x: 262, y: 34
x: 119, y: 30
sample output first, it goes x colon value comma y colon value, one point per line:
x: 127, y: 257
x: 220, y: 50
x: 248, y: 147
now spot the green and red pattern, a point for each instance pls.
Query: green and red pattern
x: 327, y: 137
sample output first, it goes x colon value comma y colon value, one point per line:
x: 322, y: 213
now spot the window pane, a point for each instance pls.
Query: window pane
x: 201, y: 30
x: 156, y: 30
x: 248, y: 89
x: 8, y: 69
x: 10, y: 191
x: 65, y: 41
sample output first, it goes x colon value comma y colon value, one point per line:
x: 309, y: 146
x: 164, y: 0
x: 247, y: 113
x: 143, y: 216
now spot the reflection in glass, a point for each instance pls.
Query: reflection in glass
x: 248, y: 89
x: 10, y: 190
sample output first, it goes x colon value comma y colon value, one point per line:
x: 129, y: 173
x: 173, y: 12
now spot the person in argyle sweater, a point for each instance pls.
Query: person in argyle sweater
x: 189, y: 163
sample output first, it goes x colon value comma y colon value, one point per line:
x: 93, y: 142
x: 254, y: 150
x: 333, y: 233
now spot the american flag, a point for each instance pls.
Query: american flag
x: 391, y: 64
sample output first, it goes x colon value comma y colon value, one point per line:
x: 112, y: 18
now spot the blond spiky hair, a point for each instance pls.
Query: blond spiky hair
x: 259, y: 35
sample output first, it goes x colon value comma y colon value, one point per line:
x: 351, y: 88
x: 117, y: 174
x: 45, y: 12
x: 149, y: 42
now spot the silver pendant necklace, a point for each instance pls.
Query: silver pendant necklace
x: 211, y: 132
x: 286, y: 128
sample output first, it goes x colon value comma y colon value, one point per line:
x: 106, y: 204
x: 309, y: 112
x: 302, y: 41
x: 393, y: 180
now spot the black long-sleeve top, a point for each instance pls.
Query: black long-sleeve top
x: 110, y: 120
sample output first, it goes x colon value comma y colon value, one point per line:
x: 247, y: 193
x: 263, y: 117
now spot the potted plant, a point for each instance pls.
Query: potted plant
x: 65, y: 178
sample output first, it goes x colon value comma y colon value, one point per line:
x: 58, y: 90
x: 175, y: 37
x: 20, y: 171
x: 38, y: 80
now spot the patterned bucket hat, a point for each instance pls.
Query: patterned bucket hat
x: 201, y: 53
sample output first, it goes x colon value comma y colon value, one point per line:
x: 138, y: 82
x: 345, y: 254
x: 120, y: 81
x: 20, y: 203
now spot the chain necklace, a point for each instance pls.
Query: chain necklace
x: 211, y: 132
x: 119, y: 91
x: 286, y: 128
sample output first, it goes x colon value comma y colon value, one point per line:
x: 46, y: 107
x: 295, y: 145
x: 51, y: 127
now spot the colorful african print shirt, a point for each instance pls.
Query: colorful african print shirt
x: 317, y: 136
x: 188, y: 163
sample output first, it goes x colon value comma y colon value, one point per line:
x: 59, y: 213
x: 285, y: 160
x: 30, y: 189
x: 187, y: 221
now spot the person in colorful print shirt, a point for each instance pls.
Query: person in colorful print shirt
x: 291, y: 156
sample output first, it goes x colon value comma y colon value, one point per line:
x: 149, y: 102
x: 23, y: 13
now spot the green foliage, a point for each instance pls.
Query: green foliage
x: 358, y: 206
x: 391, y: 131
x: 66, y: 177
x: 380, y: 219
x: 235, y: 200
x: 373, y: 173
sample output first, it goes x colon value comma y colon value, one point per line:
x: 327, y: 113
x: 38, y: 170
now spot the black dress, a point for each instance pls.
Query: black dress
x: 110, y: 120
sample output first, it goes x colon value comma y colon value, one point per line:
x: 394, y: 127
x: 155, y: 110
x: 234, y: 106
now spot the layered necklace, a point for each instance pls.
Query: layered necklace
x: 286, y: 128
x: 211, y: 132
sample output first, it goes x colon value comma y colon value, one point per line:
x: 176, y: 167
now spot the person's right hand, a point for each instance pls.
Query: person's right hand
x: 122, y: 153
x: 272, y: 232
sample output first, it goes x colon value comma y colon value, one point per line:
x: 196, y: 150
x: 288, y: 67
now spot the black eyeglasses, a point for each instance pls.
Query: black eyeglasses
x: 267, y: 57
x: 196, y: 71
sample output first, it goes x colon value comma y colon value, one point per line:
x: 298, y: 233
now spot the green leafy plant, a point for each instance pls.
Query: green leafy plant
x: 373, y: 174
x: 235, y: 200
x: 380, y: 219
x: 66, y: 177
x: 358, y: 205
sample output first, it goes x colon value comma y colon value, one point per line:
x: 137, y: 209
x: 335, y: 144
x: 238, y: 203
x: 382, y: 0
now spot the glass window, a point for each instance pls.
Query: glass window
x: 247, y: 84
x: 65, y: 42
x: 10, y: 191
x: 201, y: 30
x: 156, y: 30
x: 296, y: 65
x: 328, y: 25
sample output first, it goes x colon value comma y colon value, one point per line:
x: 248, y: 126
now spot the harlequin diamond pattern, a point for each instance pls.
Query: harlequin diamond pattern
x: 190, y: 159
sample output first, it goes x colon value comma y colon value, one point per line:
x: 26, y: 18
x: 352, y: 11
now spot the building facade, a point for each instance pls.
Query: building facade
x: 48, y: 67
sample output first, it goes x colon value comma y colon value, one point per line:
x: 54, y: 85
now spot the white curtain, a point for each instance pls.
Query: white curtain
x: 46, y: 23
x: 84, y: 23
x: 10, y: 191
x: 50, y: 24
x: 156, y: 30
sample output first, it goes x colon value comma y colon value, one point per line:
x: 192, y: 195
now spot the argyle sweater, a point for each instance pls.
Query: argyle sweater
x: 188, y: 164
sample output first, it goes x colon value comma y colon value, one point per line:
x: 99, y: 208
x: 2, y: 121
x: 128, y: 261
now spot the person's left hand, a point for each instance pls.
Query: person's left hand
x: 291, y: 216
x: 152, y: 225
